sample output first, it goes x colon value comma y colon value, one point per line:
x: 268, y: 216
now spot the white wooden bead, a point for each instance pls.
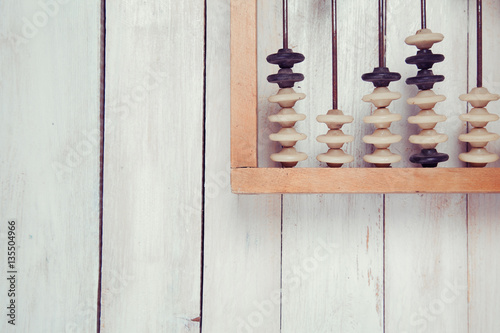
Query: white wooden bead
x: 428, y: 138
x: 426, y: 99
x: 424, y: 39
x: 478, y: 137
x: 479, y: 97
x: 478, y: 157
x: 289, y: 157
x: 334, y: 119
x: 335, y: 138
x: 382, y: 138
x: 382, y: 158
x: 479, y: 117
x: 286, y: 97
x: 381, y: 97
x: 426, y: 119
x: 382, y: 118
x: 335, y: 158
x: 287, y: 117
x: 287, y: 137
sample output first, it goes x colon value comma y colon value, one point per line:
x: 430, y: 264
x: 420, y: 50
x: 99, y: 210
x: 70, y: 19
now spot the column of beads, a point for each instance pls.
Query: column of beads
x: 335, y: 138
x: 426, y: 99
x: 382, y: 118
x: 479, y: 136
x: 286, y: 98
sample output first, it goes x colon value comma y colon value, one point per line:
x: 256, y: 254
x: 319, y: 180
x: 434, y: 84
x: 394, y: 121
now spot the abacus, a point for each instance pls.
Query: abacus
x: 425, y: 177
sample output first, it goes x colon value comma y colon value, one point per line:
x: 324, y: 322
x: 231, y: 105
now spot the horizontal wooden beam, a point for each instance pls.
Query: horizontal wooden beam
x: 365, y: 180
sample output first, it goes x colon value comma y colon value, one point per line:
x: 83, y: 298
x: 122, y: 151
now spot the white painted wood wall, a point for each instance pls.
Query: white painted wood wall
x: 176, y: 244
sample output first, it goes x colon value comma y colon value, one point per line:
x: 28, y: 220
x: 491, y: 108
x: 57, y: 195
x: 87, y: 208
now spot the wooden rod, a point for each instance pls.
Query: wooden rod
x: 382, y: 21
x: 423, y: 13
x: 285, y: 24
x: 334, y: 55
x: 479, y: 43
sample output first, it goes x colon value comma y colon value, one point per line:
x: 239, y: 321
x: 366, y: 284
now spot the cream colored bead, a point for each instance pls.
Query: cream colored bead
x: 286, y: 97
x: 426, y: 99
x: 334, y: 119
x: 479, y: 97
x: 288, y: 157
x: 426, y: 119
x: 335, y: 158
x: 381, y: 97
x: 382, y: 118
x: 428, y: 139
x: 287, y: 137
x: 382, y: 138
x: 287, y: 117
x: 335, y: 138
x: 479, y: 117
x: 382, y: 158
x: 478, y: 157
x: 424, y: 39
x: 478, y: 137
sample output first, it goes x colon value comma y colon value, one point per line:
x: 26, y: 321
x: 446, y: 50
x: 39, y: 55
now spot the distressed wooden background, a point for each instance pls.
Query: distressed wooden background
x: 115, y: 165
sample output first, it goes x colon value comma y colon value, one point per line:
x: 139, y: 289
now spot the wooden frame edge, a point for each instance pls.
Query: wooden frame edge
x: 243, y: 83
x: 364, y: 180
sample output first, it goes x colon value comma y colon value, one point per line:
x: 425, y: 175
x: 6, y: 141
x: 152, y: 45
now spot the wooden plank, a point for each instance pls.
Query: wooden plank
x: 332, y: 266
x: 484, y: 231
x: 243, y: 83
x: 153, y: 166
x: 50, y: 144
x: 426, y: 234
x: 242, y: 259
x: 365, y: 180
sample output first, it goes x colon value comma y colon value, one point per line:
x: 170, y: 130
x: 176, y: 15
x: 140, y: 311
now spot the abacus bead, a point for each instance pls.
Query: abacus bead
x: 478, y: 157
x: 382, y: 158
x: 478, y: 137
x: 479, y: 117
x: 428, y: 139
x: 287, y: 137
x: 426, y: 99
x: 424, y: 39
x: 285, y: 78
x: 382, y: 138
x: 424, y: 59
x: 381, y: 77
x: 381, y: 97
x: 288, y: 157
x: 285, y: 58
x: 334, y: 119
x: 426, y: 119
x: 479, y: 97
x: 286, y: 97
x: 425, y: 79
x: 287, y: 117
x: 429, y: 158
x: 335, y: 138
x: 335, y: 158
x: 382, y: 118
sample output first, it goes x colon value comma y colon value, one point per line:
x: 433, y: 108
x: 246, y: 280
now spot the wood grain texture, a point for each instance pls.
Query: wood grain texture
x: 153, y: 167
x: 244, y: 83
x: 425, y: 235
x: 364, y: 180
x: 332, y: 266
x: 483, y: 209
x: 242, y: 240
x: 49, y: 174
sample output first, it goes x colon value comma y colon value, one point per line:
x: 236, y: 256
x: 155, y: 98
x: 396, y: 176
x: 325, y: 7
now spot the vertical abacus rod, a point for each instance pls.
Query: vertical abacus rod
x: 334, y: 54
x: 382, y: 20
x: 285, y: 24
x: 423, y: 13
x: 479, y: 44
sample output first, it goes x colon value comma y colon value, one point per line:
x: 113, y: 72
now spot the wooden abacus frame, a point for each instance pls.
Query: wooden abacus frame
x: 248, y: 178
